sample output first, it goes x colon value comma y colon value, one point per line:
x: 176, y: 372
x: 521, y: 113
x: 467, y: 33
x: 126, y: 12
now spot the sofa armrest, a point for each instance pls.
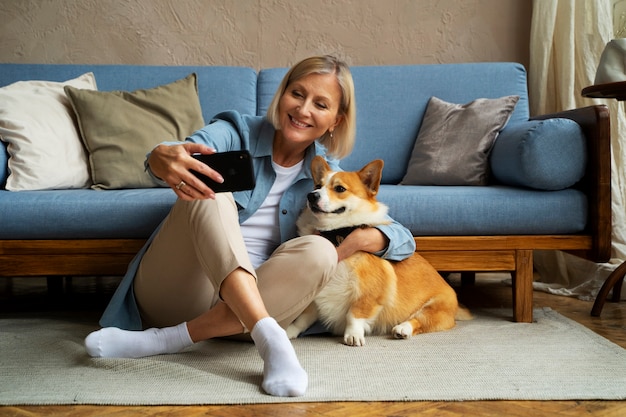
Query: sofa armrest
x: 596, y: 183
x: 530, y: 154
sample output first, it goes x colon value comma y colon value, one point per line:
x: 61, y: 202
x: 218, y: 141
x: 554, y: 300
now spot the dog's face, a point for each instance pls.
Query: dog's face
x: 343, y: 195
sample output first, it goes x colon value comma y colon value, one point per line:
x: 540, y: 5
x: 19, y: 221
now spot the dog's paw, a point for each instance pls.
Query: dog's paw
x: 402, y: 331
x: 354, y: 333
x: 354, y: 336
x: 353, y: 340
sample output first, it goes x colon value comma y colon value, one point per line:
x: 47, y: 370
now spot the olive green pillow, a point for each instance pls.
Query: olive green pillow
x: 119, y: 128
x: 454, y: 141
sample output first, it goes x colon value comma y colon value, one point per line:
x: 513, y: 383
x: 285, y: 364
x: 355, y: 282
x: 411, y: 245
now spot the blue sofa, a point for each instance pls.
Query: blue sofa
x: 465, y: 229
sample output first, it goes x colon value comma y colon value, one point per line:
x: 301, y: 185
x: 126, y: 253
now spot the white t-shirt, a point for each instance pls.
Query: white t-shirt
x: 261, y: 232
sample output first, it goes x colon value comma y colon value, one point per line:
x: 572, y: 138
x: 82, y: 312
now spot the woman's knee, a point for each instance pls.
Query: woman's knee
x: 321, y: 255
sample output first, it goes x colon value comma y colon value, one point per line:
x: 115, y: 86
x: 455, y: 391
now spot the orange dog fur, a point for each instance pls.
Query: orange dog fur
x: 368, y: 294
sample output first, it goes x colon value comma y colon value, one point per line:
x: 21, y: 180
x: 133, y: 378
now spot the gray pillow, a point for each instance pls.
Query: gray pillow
x: 454, y: 141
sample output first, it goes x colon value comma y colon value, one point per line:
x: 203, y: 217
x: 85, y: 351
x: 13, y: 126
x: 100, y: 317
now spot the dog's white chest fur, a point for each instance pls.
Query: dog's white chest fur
x: 334, y: 301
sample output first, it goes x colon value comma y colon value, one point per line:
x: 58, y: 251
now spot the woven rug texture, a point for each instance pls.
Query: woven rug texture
x: 43, y: 361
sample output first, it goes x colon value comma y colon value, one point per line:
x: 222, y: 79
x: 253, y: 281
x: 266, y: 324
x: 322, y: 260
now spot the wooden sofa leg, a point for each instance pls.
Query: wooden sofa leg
x: 468, y: 278
x: 523, y: 287
x: 54, y: 284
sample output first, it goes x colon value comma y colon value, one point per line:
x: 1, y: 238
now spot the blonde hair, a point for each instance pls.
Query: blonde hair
x: 342, y: 141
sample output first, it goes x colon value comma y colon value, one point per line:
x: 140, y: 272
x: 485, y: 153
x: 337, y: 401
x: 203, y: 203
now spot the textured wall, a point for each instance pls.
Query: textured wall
x: 263, y: 33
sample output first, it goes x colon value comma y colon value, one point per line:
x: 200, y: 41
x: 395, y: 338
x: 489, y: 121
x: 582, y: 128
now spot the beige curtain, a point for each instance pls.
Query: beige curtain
x: 567, y: 39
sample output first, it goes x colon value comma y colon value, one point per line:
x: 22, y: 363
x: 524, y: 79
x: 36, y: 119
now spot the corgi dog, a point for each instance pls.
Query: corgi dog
x: 368, y: 294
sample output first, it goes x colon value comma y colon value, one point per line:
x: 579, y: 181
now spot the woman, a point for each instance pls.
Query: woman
x: 225, y: 264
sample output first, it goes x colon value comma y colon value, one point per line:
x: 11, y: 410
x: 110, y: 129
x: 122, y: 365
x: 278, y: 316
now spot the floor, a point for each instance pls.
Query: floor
x: 88, y: 296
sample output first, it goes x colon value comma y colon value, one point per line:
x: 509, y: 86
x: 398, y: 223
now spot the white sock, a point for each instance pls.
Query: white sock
x: 111, y: 342
x: 283, y: 375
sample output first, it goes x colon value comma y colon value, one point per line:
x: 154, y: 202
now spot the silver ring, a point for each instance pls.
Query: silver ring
x: 181, y: 185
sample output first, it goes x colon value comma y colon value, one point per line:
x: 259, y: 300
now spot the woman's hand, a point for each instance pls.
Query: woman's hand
x: 367, y: 239
x: 172, y: 163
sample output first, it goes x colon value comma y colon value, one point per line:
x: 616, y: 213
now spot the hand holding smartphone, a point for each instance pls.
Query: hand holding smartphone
x: 234, y: 166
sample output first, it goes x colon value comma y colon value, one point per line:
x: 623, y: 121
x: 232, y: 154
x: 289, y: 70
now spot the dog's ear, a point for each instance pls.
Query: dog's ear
x: 371, y: 174
x: 319, y: 168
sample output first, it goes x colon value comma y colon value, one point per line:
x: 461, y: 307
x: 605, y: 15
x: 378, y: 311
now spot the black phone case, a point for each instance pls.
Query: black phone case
x: 234, y: 166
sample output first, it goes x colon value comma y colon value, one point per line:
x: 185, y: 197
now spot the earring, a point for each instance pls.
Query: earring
x: 331, y: 134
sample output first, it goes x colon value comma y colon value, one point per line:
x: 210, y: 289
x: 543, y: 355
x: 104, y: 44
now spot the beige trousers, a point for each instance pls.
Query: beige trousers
x: 200, y: 243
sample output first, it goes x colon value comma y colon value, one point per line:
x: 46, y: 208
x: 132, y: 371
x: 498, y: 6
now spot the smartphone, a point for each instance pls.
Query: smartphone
x: 234, y: 166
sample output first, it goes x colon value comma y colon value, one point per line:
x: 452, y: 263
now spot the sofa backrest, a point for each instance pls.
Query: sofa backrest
x: 220, y: 88
x: 391, y: 101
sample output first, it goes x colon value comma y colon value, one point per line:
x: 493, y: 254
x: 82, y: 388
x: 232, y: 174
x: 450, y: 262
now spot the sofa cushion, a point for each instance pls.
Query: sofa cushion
x: 434, y: 211
x: 119, y: 128
x: 39, y: 128
x: 485, y: 210
x: 542, y: 154
x: 83, y: 213
x: 454, y: 141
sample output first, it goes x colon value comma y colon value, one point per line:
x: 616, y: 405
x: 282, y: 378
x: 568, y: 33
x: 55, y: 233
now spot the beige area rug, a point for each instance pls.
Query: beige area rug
x: 42, y: 361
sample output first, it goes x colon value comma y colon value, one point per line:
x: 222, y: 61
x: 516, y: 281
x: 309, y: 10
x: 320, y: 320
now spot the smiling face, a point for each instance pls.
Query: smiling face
x: 309, y: 107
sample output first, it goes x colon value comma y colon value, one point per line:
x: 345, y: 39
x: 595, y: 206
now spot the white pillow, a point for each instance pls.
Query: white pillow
x: 39, y: 127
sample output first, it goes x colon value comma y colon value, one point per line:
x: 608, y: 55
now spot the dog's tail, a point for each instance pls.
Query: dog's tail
x: 463, y: 314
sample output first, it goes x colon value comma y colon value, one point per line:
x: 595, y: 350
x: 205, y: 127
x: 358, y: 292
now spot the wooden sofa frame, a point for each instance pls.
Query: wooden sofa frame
x: 466, y: 254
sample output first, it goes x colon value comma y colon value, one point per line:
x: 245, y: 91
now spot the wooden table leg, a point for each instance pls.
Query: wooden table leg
x: 613, y: 281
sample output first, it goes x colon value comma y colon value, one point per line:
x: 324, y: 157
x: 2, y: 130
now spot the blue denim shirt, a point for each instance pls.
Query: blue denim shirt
x: 231, y: 131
